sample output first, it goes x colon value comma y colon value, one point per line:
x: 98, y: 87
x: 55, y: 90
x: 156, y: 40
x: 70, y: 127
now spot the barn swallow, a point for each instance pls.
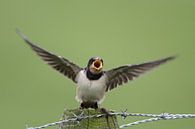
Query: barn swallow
x: 92, y: 81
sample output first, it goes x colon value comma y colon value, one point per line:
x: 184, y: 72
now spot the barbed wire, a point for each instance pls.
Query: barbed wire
x: 156, y: 117
x: 123, y: 114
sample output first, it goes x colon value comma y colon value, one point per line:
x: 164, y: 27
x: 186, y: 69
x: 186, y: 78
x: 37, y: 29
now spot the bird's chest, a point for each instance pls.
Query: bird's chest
x: 90, y: 90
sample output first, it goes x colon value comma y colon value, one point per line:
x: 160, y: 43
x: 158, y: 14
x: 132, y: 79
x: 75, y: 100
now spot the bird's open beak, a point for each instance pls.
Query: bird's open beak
x: 97, y: 65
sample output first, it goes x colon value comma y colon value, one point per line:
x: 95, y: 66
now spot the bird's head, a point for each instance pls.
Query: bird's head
x: 95, y: 65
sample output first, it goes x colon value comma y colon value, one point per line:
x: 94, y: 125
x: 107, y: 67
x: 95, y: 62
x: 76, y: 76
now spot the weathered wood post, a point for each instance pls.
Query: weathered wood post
x: 103, y: 122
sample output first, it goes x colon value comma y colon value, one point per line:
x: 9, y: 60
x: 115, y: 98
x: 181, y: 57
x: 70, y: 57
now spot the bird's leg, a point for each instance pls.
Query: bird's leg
x: 104, y: 111
x: 88, y: 105
x: 81, y: 106
x: 94, y: 105
x: 84, y: 105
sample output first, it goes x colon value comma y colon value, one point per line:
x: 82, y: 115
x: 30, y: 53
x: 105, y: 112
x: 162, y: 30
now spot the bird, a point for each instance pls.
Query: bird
x: 92, y: 81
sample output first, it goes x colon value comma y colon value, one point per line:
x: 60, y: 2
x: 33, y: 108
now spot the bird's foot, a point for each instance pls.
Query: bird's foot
x: 86, y: 105
x: 104, y: 111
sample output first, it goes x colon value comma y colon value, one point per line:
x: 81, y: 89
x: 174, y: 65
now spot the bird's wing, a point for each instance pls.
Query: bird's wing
x: 59, y: 63
x: 123, y: 74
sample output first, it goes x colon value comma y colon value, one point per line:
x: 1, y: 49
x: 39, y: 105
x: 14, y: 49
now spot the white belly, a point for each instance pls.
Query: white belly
x: 90, y: 91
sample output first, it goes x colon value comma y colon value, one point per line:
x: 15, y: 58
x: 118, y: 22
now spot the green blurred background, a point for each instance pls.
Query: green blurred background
x: 119, y: 31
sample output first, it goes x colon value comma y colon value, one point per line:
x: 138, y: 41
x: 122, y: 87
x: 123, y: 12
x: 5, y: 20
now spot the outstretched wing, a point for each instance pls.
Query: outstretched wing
x: 59, y: 63
x: 123, y: 74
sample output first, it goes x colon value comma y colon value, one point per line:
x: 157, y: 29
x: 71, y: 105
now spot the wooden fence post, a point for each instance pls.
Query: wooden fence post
x: 103, y: 122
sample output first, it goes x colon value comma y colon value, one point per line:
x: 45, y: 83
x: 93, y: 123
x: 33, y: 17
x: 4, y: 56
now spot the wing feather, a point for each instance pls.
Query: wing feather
x: 120, y: 75
x: 59, y: 63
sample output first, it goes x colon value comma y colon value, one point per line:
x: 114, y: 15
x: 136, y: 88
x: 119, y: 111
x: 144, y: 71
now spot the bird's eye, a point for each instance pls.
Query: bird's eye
x: 92, y: 60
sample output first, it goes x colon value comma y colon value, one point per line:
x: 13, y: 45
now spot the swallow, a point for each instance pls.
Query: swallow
x: 92, y: 81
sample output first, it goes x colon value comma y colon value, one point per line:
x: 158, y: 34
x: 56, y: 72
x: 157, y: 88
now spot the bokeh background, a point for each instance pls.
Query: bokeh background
x: 121, y: 32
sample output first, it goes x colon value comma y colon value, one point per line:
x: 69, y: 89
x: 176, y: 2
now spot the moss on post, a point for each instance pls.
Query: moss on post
x: 102, y: 122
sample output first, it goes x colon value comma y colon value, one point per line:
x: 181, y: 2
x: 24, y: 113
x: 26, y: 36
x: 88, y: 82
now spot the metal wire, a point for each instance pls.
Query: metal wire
x: 123, y: 114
